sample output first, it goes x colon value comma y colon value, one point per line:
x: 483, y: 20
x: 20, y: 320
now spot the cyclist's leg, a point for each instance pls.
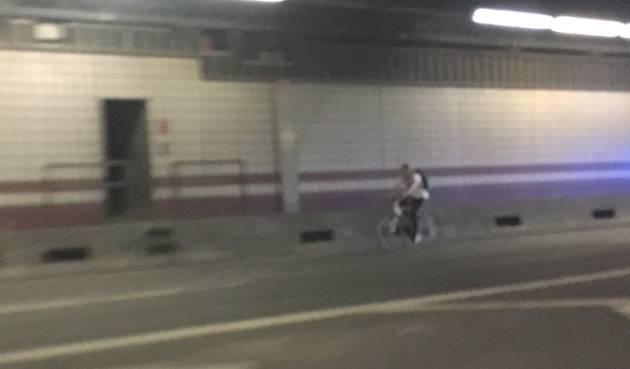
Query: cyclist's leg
x: 398, y: 208
x: 398, y: 213
x: 416, y: 209
x: 408, y: 206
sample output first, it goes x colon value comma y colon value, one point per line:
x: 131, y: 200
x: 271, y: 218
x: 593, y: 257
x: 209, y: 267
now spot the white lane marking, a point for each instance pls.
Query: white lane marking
x: 220, y: 366
x: 396, y: 306
x: 525, y: 305
x: 535, y: 285
x: 60, y: 304
x: 243, y: 365
x: 140, y: 295
x: 418, y: 328
x: 622, y: 308
x: 464, y: 180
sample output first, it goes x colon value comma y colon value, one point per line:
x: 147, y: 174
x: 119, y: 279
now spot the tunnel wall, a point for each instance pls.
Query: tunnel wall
x: 478, y: 145
x: 50, y: 114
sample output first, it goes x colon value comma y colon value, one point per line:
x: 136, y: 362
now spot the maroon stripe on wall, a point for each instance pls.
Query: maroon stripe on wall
x: 217, y: 180
x: 328, y: 176
x: 17, y: 187
x: 32, y: 217
x: 338, y: 176
x: 334, y: 176
x: 477, y: 194
x: 494, y: 193
x: 43, y: 186
x: 88, y: 214
x: 95, y: 184
x: 340, y: 201
x: 219, y: 207
x: 521, y: 169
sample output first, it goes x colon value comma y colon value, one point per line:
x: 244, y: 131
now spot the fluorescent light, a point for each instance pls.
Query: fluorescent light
x: 587, y: 27
x: 49, y: 32
x: 507, y: 18
x: 625, y: 32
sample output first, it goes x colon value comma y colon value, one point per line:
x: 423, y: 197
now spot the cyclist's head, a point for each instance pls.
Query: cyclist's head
x: 405, y: 171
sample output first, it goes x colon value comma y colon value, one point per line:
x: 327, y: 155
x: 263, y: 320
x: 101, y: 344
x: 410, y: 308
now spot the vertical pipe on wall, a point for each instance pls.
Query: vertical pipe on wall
x: 288, y: 150
x: 383, y: 124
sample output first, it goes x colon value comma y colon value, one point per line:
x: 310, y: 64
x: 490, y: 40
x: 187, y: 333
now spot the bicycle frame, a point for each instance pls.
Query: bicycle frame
x: 399, y: 213
x: 399, y: 226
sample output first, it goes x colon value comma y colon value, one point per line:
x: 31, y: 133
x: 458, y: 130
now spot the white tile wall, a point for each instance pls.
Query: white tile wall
x: 610, y: 136
x: 236, y: 123
x: 340, y: 127
x: 165, y: 193
x: 421, y: 127
x: 560, y: 134
x: 441, y: 127
x: 50, y: 112
x: 50, y: 102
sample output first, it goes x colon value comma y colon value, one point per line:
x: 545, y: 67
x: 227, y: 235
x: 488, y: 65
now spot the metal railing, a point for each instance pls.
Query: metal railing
x: 177, y: 179
x: 114, y: 175
x: 51, y: 182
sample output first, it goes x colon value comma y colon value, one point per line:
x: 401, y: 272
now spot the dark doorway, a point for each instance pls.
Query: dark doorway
x: 127, y: 176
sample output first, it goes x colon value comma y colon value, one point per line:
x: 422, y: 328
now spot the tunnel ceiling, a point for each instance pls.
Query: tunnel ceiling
x: 372, y: 18
x: 601, y: 8
x: 368, y: 19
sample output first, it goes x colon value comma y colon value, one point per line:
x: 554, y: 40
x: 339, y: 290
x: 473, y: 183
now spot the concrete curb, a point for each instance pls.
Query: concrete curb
x: 591, y: 240
x: 112, y: 266
x: 276, y: 239
x: 616, y: 237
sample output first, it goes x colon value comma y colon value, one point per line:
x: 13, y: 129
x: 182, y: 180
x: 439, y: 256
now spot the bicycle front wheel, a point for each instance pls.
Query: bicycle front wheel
x: 390, y: 239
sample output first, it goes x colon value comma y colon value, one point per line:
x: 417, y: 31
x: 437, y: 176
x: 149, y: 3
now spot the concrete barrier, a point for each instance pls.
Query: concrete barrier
x: 154, y: 244
x: 101, y: 247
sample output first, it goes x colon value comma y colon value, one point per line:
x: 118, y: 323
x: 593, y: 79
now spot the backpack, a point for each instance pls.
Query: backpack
x: 425, y: 179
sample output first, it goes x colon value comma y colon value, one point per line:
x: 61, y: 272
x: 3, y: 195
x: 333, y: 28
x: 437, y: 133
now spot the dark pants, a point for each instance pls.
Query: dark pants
x: 410, y: 207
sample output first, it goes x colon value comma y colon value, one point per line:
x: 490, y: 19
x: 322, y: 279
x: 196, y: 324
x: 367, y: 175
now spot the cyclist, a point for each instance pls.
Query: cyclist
x: 413, y: 189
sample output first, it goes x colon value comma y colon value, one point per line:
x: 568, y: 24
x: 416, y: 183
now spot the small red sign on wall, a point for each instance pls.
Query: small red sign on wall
x: 205, y: 43
x: 163, y: 127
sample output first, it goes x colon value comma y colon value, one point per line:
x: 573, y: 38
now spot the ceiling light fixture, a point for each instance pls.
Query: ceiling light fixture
x: 507, y: 18
x: 625, y: 32
x: 587, y: 27
x: 561, y: 24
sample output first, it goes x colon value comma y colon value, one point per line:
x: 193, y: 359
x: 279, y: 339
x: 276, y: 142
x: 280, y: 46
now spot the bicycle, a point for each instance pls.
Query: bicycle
x: 394, y: 231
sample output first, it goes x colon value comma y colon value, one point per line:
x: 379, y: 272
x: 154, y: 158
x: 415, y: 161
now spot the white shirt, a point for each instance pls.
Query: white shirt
x: 416, y: 190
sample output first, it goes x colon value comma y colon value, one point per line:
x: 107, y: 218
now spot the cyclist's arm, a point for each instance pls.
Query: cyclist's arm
x: 396, y: 191
x: 417, y: 182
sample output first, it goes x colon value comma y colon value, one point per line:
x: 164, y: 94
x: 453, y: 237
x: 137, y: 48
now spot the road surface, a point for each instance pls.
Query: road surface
x: 558, y: 307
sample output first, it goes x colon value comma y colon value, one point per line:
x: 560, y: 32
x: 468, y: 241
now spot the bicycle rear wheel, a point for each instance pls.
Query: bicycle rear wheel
x: 428, y: 228
x: 388, y: 240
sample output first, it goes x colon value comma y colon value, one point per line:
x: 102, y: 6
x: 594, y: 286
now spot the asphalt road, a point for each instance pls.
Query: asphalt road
x: 559, y: 307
